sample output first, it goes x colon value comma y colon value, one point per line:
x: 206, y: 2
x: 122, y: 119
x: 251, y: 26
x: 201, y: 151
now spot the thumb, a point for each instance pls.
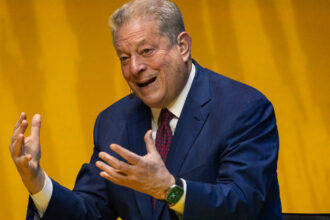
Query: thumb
x: 35, y: 125
x: 150, y: 145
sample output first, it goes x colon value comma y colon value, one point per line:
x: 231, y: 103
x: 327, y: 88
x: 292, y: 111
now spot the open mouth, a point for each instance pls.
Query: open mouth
x: 144, y: 84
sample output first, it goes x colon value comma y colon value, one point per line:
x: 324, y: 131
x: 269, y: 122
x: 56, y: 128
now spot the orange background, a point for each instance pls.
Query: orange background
x: 56, y: 59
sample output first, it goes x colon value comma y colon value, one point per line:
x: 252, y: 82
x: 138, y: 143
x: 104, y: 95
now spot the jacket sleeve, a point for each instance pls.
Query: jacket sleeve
x: 88, y: 200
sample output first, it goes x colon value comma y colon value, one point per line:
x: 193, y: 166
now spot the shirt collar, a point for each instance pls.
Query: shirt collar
x: 177, y: 105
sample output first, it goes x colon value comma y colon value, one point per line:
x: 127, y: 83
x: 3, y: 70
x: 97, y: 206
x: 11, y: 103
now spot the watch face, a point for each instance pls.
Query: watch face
x: 174, y: 195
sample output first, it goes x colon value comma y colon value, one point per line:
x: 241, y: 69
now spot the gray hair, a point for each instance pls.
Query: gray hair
x: 167, y: 14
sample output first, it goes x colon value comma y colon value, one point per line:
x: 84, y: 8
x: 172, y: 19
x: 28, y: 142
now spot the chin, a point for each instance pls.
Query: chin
x: 153, y: 103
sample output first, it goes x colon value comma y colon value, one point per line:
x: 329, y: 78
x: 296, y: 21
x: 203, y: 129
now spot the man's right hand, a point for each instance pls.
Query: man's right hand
x: 26, y: 153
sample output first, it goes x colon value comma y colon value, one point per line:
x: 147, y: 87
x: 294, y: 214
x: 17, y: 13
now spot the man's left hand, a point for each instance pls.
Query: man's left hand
x: 146, y: 174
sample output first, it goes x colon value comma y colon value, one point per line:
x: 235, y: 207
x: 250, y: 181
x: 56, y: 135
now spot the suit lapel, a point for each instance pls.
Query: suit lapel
x: 137, y: 126
x: 193, y: 116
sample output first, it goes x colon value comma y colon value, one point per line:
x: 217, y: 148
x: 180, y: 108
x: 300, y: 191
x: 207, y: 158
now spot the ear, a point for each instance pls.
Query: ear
x: 184, y: 44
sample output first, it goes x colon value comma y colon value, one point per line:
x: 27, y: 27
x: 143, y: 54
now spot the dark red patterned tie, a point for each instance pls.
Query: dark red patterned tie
x: 163, y: 137
x: 164, y: 133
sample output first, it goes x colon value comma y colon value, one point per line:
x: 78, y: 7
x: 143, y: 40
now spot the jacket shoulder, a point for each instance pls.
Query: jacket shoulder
x: 231, y: 90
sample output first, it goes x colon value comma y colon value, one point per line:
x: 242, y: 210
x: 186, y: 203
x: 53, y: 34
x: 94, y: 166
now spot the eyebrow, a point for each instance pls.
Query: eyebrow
x: 141, y: 42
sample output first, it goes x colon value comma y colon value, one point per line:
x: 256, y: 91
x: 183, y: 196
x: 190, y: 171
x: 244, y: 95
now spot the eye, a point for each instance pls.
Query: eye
x: 123, y: 59
x: 147, y: 51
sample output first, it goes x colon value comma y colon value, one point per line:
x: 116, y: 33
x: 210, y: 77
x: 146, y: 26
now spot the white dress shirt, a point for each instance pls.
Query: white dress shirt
x: 42, y: 198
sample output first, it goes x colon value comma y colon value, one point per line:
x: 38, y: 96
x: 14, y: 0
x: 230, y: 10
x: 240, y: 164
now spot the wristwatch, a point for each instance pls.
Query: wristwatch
x: 174, y: 193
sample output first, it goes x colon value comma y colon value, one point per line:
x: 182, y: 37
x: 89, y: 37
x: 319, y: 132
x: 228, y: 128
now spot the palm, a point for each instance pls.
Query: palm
x: 31, y: 146
x: 147, y: 174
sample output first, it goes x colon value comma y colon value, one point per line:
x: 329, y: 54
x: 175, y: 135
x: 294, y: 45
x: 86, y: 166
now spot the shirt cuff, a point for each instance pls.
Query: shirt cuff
x: 42, y: 198
x: 179, y: 206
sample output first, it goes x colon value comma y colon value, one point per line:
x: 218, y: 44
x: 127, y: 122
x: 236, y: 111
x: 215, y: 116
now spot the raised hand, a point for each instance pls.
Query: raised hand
x: 25, y: 152
x: 146, y: 174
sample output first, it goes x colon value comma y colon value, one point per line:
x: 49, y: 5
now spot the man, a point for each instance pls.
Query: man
x: 188, y: 144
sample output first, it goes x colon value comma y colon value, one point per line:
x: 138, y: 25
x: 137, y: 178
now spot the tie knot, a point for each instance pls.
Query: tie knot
x: 165, y: 117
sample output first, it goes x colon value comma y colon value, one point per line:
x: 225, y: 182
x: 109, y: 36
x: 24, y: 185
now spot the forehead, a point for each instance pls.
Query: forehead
x: 136, y: 32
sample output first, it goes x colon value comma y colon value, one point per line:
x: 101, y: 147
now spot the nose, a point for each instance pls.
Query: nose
x: 137, y: 65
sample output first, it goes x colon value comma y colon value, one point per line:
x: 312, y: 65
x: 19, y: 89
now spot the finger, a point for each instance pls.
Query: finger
x: 129, y: 156
x: 110, y: 178
x: 20, y: 130
x: 35, y: 125
x: 110, y: 171
x: 17, y: 149
x: 115, y: 163
x: 150, y: 145
x: 21, y: 118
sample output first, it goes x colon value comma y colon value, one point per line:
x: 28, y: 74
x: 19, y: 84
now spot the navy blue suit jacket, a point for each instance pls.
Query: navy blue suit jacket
x: 225, y: 146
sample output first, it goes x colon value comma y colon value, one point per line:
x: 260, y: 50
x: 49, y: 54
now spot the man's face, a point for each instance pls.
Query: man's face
x: 153, y: 67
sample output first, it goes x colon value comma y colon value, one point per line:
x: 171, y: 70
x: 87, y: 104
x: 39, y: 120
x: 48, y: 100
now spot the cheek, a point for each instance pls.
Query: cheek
x: 160, y: 59
x: 125, y: 73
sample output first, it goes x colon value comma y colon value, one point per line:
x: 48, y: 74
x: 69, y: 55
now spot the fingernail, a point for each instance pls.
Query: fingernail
x: 101, y: 154
x: 113, y: 146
